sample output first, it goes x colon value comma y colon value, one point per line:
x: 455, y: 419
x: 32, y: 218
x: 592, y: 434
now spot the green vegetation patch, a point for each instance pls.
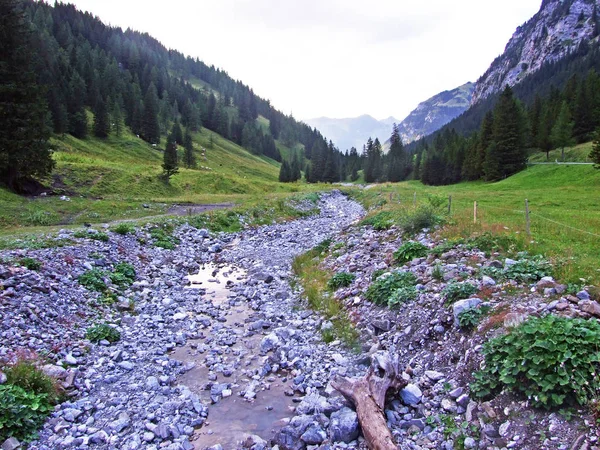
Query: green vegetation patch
x: 409, y: 251
x: 553, y: 361
x: 393, y: 288
x: 124, y: 228
x: 457, y: 291
x: 102, y: 331
x: 340, y: 279
x: 93, y: 280
x: 30, y: 263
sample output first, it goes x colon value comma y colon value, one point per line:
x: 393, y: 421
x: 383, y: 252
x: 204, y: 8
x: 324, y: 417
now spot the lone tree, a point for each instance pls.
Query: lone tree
x: 24, y: 131
x: 170, y: 164
x: 188, y: 157
x: 595, y: 153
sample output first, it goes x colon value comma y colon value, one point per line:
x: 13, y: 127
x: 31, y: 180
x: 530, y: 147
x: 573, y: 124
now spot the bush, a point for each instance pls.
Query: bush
x: 163, y: 238
x: 457, y: 291
x: 423, y: 217
x: 377, y: 273
x: 124, y: 228
x: 341, y: 279
x: 528, y: 269
x: 402, y: 295
x: 123, y: 275
x: 30, y: 263
x: 29, y: 377
x: 22, y: 412
x: 102, y: 331
x: 381, y: 290
x: 551, y: 360
x: 409, y: 251
x: 99, y: 236
x: 322, y: 246
x: 93, y: 280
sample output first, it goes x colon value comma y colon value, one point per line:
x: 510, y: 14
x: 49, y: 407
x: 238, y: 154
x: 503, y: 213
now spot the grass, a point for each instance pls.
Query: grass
x: 578, y: 153
x: 563, y: 200
x: 314, y: 281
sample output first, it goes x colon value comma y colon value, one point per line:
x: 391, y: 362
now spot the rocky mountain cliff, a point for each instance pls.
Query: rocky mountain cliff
x: 434, y: 113
x: 556, y: 30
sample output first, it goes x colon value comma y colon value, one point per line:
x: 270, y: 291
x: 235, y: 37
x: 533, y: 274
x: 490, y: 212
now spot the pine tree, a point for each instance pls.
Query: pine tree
x: 78, y: 124
x: 295, y: 172
x: 170, y: 161
x: 595, y: 153
x: 509, y: 151
x: 284, y: 172
x: 372, y: 166
x: 150, y: 126
x: 188, y: 145
x: 101, y: 120
x: 177, y: 133
x: 24, y: 130
x: 397, y: 169
x: 562, y: 132
x: 117, y: 118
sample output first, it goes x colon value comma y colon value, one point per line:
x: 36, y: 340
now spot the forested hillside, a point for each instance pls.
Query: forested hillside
x: 128, y: 79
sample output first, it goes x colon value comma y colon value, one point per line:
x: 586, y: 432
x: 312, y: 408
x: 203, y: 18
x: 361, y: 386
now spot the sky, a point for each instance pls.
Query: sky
x: 333, y: 58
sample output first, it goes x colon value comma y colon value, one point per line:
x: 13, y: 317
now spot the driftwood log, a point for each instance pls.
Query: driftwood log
x: 368, y: 396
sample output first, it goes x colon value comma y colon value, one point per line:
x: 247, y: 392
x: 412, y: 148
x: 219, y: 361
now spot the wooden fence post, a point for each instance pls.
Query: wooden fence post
x: 527, y: 222
x: 449, y: 204
x: 415, y: 199
x: 475, y: 212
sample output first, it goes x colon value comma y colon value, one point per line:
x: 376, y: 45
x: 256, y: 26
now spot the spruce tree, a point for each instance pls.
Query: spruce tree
x: 117, y: 118
x: 397, y: 169
x: 177, y: 133
x: 188, y: 158
x: 101, y: 120
x: 284, y: 172
x: 150, y: 126
x: 170, y: 161
x: 24, y: 129
x: 562, y: 132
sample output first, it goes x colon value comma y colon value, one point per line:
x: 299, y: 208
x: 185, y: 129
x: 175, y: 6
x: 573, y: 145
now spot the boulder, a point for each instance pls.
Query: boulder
x: 343, y: 426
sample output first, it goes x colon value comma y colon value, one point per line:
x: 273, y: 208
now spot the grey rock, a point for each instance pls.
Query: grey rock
x: 126, y: 365
x: 411, y: 395
x: 487, y: 281
x: 123, y: 422
x: 269, y: 342
x: 462, y: 305
x: 343, y: 426
x: 11, y: 444
x: 583, y: 295
x: 2, y: 377
x: 314, y: 435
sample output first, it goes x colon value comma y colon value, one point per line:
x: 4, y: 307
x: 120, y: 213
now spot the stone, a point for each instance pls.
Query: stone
x: 126, y: 365
x: 462, y: 305
x: 121, y: 423
x: 11, y: 444
x: 411, y: 395
x: 2, y: 377
x: 54, y: 371
x: 312, y: 404
x: 583, y: 295
x: 487, y: 281
x: 314, y: 435
x: 590, y: 307
x: 152, y: 383
x: 470, y: 443
x: 269, y: 342
x: 100, y: 437
x: 434, y: 375
x: 343, y: 426
x: 512, y: 320
x: 255, y: 442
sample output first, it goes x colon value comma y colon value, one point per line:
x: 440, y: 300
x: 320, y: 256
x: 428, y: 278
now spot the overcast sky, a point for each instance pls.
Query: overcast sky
x: 334, y: 58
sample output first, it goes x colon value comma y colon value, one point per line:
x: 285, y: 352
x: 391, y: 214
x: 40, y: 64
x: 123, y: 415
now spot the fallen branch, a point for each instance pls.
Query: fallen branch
x: 368, y: 396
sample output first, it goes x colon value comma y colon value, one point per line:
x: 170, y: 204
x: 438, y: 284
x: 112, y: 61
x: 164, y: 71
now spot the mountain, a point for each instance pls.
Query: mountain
x: 353, y: 132
x: 556, y: 31
x: 434, y: 113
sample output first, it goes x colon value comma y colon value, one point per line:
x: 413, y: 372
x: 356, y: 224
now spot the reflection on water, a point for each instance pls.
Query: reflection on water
x: 233, y: 418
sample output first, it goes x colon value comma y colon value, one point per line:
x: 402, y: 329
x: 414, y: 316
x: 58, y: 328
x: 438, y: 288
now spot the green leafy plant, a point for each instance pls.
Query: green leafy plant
x: 93, y: 280
x: 30, y: 263
x: 438, y: 272
x: 409, y: 251
x: 322, y: 246
x: 377, y: 273
x: 383, y: 220
x: 552, y: 360
x: 402, y: 295
x: 123, y: 275
x: 124, y: 228
x: 27, y: 375
x: 528, y: 268
x: 423, y: 217
x: 380, y: 291
x: 470, y: 318
x: 489, y: 242
x: 341, y: 279
x: 102, y: 331
x: 163, y: 236
x: 457, y: 291
x: 22, y: 412
x: 445, y: 246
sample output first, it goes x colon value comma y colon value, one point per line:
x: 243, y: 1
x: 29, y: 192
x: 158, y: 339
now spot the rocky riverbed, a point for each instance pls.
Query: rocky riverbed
x: 218, y: 350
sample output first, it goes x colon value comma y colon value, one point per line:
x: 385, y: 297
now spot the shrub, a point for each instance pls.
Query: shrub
x: 98, y: 236
x: 93, y: 280
x: 402, y: 295
x: 29, y: 377
x: 340, y: 279
x: 489, y: 242
x: 30, y: 263
x: 123, y: 275
x: 551, y: 360
x: 446, y: 246
x: 422, y: 217
x: 22, y: 412
x: 383, y: 220
x: 124, y: 228
x: 163, y: 238
x: 102, y: 331
x: 409, y: 251
x: 322, y: 246
x: 438, y: 272
x: 380, y: 291
x: 457, y: 291
x: 377, y: 273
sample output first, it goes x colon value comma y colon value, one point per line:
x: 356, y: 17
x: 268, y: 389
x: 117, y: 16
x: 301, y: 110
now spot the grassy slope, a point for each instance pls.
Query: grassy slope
x: 110, y: 179
x: 578, y: 153
x: 562, y: 193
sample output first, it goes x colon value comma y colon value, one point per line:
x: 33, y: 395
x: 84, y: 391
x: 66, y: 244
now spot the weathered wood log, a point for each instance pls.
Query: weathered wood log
x: 368, y: 396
